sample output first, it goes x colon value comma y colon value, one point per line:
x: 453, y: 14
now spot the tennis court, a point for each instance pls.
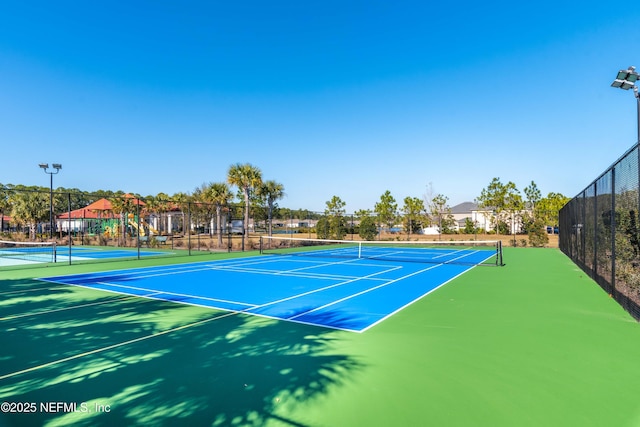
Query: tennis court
x: 336, y: 287
x: 268, y: 340
x: 24, y: 253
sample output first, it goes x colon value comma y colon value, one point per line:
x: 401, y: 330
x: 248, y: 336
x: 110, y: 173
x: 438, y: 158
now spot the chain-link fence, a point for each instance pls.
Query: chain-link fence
x: 599, y: 231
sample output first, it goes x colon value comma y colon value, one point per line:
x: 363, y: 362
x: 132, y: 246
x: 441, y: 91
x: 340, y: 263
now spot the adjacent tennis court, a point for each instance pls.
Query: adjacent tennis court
x: 24, y: 253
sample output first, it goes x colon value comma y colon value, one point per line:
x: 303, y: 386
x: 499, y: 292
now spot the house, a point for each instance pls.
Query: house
x: 462, y: 212
x: 482, y: 218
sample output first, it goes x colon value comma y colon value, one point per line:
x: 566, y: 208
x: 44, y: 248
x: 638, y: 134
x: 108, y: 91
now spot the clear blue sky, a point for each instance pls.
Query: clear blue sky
x: 346, y: 98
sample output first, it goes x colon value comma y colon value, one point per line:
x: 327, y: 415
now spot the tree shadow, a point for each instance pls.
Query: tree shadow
x: 218, y: 369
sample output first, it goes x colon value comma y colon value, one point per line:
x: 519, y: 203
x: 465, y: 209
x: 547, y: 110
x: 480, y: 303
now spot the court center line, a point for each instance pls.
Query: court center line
x: 365, y: 291
x: 326, y: 264
x: 323, y: 288
x: 287, y: 273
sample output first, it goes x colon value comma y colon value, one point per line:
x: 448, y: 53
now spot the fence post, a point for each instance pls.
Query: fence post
x: 595, y: 228
x: 613, y: 230
x: 69, y: 225
x: 138, y: 226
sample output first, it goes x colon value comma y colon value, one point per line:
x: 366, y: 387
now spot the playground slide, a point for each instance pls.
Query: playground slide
x: 150, y: 228
x: 135, y: 225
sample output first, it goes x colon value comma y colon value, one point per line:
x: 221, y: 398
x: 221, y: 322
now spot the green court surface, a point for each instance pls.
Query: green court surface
x: 534, y: 343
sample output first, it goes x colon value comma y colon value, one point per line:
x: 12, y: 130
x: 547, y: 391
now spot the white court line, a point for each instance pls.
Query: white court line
x: 169, y: 293
x: 38, y: 313
x: 327, y: 264
x: 416, y: 299
x: 415, y: 251
x: 111, y: 347
x: 366, y: 291
x: 368, y: 277
x: 286, y: 273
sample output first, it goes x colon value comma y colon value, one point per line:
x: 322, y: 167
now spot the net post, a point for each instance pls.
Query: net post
x: 260, y: 245
x: 55, y: 251
x: 499, y: 260
x: 359, y: 250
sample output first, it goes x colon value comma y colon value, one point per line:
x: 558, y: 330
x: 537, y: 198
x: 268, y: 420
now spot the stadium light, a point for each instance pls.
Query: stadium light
x: 626, y: 79
x: 45, y: 167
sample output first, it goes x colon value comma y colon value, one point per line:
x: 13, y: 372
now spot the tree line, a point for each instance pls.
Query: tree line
x: 507, y: 209
x: 258, y: 199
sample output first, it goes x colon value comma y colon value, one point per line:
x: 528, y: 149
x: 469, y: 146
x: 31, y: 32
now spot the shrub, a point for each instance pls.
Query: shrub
x: 368, y: 229
x: 538, y: 237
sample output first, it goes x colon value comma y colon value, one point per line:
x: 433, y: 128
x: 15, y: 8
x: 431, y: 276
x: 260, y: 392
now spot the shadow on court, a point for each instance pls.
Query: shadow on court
x: 214, y: 368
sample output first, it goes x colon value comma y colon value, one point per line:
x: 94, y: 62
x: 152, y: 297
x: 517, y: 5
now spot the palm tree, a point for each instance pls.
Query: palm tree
x: 123, y: 205
x: 202, y: 208
x: 246, y: 177
x: 183, y: 201
x: 119, y: 207
x: 220, y: 195
x: 30, y: 208
x: 160, y: 205
x: 271, y: 191
x: 5, y: 206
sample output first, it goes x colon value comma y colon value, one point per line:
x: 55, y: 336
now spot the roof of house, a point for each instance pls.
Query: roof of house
x: 465, y: 207
x: 84, y: 213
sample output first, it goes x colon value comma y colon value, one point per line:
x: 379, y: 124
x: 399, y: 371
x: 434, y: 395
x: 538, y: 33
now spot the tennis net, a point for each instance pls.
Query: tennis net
x: 474, y: 252
x: 14, y: 252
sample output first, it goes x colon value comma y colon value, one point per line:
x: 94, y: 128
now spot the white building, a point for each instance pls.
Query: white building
x: 484, y: 219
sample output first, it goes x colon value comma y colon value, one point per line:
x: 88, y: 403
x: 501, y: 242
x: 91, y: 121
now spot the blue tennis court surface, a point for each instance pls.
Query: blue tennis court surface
x: 36, y: 255
x: 347, y: 294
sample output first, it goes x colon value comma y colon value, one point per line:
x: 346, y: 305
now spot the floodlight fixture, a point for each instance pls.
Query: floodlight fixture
x: 57, y: 166
x: 628, y: 74
x: 622, y: 84
x: 626, y: 79
x: 44, y: 165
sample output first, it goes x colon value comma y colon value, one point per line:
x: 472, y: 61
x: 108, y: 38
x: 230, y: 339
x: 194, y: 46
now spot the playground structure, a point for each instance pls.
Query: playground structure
x: 142, y: 227
x: 112, y: 227
x: 100, y: 219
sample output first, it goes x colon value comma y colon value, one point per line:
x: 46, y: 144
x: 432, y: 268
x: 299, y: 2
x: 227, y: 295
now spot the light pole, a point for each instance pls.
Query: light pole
x: 626, y: 79
x: 57, y: 167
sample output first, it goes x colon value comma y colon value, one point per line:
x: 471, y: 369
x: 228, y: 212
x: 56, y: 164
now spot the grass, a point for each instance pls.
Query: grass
x: 533, y: 343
